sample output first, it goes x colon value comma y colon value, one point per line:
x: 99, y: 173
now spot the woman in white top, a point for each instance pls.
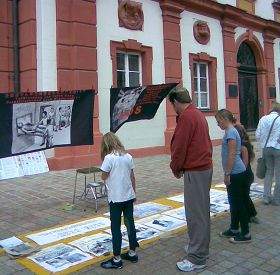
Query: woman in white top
x: 271, y: 153
x: 117, y: 171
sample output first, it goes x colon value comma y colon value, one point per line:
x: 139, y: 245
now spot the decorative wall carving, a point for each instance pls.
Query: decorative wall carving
x: 131, y: 15
x: 201, y: 32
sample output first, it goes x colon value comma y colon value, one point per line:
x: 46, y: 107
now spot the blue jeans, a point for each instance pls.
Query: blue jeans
x: 272, y: 162
x: 237, y: 198
x: 116, y: 210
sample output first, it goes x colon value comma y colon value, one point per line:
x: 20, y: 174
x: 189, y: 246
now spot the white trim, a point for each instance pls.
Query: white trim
x: 46, y: 49
x: 46, y: 45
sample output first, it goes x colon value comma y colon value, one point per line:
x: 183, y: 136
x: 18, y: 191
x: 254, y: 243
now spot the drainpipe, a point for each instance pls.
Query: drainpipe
x: 16, y: 46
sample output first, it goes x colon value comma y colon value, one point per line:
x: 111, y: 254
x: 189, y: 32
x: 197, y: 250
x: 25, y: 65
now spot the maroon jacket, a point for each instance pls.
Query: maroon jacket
x: 191, y: 147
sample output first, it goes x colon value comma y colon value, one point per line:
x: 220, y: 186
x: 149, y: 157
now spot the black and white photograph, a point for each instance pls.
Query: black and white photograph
x: 41, y: 125
x: 59, y: 257
x: 98, y: 244
x: 162, y: 222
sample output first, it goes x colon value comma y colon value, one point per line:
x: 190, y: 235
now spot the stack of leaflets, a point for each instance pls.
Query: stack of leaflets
x: 16, y: 248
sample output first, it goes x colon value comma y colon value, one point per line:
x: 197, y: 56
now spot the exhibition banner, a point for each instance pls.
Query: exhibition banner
x: 36, y: 121
x: 136, y: 103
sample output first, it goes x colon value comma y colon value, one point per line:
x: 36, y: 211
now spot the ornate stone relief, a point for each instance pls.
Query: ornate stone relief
x: 131, y: 15
x: 201, y: 32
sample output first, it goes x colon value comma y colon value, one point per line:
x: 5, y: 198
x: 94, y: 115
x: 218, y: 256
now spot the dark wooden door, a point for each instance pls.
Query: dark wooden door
x: 248, y: 87
x: 248, y: 99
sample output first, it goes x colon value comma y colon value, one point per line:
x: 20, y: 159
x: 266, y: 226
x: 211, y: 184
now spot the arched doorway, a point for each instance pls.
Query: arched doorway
x: 248, y: 87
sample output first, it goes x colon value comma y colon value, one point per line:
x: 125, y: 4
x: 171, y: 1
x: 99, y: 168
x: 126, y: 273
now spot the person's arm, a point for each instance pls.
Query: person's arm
x: 132, y: 177
x: 244, y: 155
x: 230, y: 160
x: 179, y: 146
x: 104, y: 175
x: 105, y: 168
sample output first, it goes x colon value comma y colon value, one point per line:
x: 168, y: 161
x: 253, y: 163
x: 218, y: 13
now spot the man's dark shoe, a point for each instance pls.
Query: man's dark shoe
x: 228, y: 234
x: 133, y: 259
x: 112, y: 264
x: 240, y: 239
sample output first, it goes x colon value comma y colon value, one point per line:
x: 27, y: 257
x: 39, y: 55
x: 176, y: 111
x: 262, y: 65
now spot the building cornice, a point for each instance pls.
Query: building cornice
x: 222, y: 11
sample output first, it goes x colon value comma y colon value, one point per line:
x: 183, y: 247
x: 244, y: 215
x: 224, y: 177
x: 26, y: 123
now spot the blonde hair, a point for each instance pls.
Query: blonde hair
x: 111, y: 143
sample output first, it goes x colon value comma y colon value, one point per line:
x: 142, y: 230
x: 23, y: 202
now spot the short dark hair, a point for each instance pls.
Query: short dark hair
x: 275, y: 107
x: 181, y: 95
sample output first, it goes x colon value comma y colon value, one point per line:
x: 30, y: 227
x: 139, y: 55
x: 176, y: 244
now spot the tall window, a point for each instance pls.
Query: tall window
x: 201, y: 86
x: 128, y: 69
x: 203, y: 69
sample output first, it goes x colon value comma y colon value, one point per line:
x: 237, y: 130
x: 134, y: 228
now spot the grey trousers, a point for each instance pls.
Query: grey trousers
x: 197, y: 186
x: 272, y: 162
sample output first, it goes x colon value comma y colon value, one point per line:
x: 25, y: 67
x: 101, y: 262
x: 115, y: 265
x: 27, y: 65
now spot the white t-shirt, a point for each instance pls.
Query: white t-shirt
x: 119, y: 182
x: 263, y: 130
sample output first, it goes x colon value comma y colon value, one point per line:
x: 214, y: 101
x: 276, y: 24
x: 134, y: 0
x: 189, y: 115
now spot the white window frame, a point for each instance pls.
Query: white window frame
x: 126, y: 67
x: 198, y: 93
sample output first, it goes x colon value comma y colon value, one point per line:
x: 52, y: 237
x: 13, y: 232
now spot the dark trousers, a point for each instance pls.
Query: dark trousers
x: 237, y: 197
x: 248, y: 202
x: 116, y: 210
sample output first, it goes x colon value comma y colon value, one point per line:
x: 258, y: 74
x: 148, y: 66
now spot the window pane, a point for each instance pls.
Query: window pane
x: 121, y: 79
x: 203, y: 84
x: 133, y: 61
x: 195, y: 69
x: 203, y: 98
x: 120, y: 61
x: 134, y: 79
x: 196, y: 99
x: 202, y: 68
x: 195, y: 84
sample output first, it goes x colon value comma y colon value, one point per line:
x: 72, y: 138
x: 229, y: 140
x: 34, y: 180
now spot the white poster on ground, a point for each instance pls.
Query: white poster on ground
x: 98, y: 244
x: 178, y: 198
x: 67, y: 231
x: 146, y: 209
x: 59, y: 257
x: 162, y: 222
x: 178, y: 213
x: 142, y: 232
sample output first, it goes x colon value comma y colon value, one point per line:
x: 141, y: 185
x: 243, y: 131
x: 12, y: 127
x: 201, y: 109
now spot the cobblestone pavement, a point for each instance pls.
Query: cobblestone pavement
x: 36, y: 202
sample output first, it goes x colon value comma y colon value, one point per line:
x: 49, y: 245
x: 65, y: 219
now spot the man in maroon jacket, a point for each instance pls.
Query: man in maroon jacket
x: 191, y: 157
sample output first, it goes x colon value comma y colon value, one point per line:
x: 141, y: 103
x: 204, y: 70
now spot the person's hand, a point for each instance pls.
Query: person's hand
x: 178, y: 175
x: 227, y: 179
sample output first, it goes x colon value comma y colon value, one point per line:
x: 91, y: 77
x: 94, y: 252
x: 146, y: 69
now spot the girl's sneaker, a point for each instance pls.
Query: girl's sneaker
x: 133, y: 259
x: 228, y: 234
x: 112, y: 264
x: 240, y: 239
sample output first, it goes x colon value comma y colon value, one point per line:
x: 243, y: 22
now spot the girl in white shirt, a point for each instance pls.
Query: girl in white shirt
x: 117, y: 171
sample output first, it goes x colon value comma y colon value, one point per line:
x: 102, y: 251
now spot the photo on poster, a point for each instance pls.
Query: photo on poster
x: 41, y: 125
x: 142, y: 232
x: 59, y: 257
x: 162, y: 222
x: 98, y: 244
